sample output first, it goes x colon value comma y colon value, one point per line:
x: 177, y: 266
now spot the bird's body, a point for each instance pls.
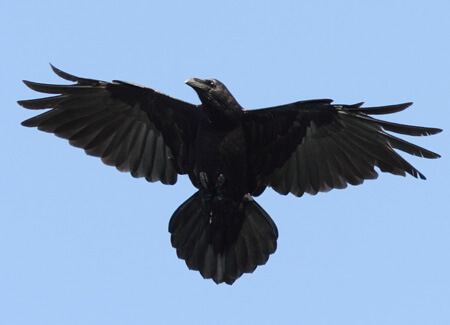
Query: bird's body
x: 222, y: 151
x: 230, y: 155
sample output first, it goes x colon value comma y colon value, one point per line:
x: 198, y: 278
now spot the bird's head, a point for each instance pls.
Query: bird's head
x: 213, y: 94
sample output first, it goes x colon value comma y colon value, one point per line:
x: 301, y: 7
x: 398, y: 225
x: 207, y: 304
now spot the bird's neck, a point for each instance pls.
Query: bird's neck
x: 223, y: 118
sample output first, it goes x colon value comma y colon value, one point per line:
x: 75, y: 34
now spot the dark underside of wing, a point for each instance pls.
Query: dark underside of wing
x: 314, y: 146
x: 134, y: 128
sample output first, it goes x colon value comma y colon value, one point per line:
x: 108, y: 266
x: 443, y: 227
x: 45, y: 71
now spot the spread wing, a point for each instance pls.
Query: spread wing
x: 134, y: 128
x: 314, y: 146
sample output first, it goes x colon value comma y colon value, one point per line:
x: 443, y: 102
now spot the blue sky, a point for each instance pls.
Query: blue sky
x: 81, y: 243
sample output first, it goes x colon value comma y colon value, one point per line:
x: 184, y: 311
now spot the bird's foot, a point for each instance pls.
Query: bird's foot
x: 220, y: 181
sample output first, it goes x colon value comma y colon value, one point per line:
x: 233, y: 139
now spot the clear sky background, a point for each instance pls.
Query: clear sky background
x: 81, y: 243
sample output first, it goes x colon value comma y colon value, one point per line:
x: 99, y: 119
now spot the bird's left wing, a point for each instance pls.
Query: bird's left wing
x: 134, y: 128
x: 314, y: 146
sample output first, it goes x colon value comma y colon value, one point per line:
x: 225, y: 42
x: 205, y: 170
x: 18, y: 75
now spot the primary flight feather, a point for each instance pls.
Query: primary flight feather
x: 230, y: 155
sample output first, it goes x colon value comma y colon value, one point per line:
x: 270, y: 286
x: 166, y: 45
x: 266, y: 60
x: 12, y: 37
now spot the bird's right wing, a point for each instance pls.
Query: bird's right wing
x: 134, y: 128
x: 314, y: 146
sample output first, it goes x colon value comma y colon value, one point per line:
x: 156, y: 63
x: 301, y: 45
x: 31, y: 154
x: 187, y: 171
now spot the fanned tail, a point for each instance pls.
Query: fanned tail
x: 222, y: 239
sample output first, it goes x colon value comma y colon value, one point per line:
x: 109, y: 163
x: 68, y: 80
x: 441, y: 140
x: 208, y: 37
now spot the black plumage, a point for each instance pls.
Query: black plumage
x: 230, y: 155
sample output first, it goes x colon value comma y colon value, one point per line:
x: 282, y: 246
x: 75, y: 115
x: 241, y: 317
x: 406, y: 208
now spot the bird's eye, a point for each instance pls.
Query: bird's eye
x: 211, y: 83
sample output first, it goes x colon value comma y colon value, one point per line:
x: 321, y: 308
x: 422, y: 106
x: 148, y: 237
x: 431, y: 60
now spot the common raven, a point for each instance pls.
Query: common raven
x: 230, y: 154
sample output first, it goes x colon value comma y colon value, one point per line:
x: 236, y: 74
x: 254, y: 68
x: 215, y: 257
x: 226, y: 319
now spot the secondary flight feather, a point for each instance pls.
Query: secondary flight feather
x: 230, y: 154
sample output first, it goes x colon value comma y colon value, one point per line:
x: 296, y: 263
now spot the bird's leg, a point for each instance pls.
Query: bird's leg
x: 219, y: 186
x: 203, y: 179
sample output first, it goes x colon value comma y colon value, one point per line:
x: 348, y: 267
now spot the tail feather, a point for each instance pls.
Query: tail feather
x: 222, y: 239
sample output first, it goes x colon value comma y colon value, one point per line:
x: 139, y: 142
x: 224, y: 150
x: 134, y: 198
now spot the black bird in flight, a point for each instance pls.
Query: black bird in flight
x: 230, y: 154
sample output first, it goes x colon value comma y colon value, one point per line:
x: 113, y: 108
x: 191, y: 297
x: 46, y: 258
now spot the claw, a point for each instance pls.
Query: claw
x: 220, y: 181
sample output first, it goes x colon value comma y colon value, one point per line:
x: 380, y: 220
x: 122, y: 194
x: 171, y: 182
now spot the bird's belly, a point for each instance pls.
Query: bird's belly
x: 221, y: 157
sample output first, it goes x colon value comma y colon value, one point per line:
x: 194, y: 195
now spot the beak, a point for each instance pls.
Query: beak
x: 197, y: 84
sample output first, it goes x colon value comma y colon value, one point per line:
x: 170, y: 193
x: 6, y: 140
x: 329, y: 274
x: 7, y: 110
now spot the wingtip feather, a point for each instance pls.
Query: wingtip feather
x: 63, y: 74
x: 388, y: 109
x: 28, y: 123
x: 21, y: 102
x: 432, y: 131
x: 33, y: 85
